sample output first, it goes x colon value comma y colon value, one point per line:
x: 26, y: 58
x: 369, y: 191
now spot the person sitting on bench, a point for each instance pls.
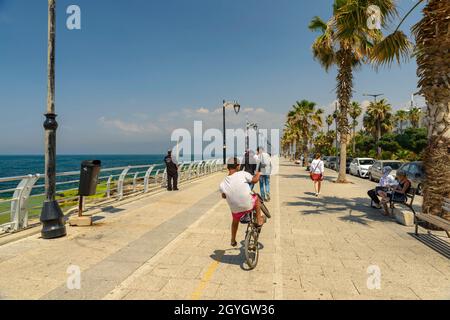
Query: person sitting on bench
x: 398, y: 193
x: 386, y: 181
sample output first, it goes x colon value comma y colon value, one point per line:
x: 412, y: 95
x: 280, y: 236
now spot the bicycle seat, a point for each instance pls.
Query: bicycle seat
x: 246, y: 219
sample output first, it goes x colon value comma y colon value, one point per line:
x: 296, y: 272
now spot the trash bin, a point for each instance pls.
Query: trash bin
x: 89, y: 175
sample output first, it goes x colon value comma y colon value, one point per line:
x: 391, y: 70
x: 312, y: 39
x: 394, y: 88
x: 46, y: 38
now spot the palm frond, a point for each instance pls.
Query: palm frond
x: 395, y: 47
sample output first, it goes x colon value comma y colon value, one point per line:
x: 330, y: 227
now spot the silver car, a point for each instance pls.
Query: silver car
x: 376, y: 171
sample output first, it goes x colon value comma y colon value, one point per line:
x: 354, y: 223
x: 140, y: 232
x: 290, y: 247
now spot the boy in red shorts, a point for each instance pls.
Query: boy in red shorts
x: 236, y: 190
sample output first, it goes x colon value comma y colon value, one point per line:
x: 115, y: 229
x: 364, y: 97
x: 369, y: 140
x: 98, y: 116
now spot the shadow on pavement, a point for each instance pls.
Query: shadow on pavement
x: 434, y: 242
x: 331, y: 205
x: 233, y: 259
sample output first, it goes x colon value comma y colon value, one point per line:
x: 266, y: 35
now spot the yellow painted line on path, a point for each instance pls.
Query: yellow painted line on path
x: 207, y: 277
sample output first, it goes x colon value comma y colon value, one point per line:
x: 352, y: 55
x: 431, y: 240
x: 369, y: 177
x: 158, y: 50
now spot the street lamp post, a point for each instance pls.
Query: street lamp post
x: 236, y: 108
x: 255, y: 127
x: 52, y: 217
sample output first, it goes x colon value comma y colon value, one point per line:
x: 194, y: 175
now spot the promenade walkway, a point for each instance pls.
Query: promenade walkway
x: 176, y: 246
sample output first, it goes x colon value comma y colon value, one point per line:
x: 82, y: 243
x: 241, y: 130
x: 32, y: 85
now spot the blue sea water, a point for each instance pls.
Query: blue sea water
x: 11, y: 166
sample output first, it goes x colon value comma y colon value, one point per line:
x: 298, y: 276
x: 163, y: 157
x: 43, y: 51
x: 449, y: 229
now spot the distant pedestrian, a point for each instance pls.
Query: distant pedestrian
x: 265, y: 167
x: 317, y: 171
x: 249, y: 164
x: 172, y: 172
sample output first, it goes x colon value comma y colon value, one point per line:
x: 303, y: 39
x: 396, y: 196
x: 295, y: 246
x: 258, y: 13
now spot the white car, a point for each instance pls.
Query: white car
x: 360, y: 167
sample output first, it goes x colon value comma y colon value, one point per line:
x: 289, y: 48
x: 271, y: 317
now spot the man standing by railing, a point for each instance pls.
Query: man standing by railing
x: 172, y: 172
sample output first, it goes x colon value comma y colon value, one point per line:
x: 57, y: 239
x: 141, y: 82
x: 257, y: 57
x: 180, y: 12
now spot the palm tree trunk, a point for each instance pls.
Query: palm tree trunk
x: 433, y: 42
x: 379, y: 151
x: 354, y: 140
x: 344, y: 92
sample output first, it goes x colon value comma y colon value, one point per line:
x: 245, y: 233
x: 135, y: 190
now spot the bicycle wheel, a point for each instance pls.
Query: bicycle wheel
x: 265, y: 211
x: 251, y: 247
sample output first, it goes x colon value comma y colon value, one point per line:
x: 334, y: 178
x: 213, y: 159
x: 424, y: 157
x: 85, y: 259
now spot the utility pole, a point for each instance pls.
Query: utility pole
x: 52, y: 217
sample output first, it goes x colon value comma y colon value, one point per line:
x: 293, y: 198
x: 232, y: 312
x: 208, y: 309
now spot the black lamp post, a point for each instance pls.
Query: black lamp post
x: 236, y: 108
x: 52, y: 217
x: 255, y: 127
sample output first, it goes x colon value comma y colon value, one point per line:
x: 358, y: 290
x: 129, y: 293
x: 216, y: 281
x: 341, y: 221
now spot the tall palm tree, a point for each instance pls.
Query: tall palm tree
x: 401, y: 116
x: 346, y: 43
x: 355, y: 112
x: 432, y: 54
x: 414, y: 116
x: 379, y: 111
x: 329, y: 120
x: 308, y: 120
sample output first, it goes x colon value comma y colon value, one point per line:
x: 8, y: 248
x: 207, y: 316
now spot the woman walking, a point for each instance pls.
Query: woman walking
x: 317, y: 171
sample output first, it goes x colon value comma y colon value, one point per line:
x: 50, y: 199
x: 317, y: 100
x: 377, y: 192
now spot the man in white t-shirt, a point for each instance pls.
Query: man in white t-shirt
x: 235, y: 188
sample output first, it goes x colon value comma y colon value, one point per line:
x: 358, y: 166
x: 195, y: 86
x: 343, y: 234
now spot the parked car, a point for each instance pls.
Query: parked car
x: 360, y: 167
x: 416, y: 174
x: 325, y: 161
x: 331, y: 163
x: 347, y: 170
x: 376, y: 171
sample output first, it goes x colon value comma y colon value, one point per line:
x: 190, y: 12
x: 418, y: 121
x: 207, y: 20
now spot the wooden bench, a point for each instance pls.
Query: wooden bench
x: 409, y: 203
x: 435, y: 220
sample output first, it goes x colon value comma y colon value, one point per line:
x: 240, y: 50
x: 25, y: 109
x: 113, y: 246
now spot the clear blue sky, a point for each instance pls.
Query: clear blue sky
x: 141, y: 67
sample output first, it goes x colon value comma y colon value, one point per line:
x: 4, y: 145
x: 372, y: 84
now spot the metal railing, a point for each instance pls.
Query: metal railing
x: 20, y: 206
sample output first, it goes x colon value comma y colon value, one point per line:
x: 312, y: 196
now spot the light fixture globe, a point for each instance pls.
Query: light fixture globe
x: 237, y: 108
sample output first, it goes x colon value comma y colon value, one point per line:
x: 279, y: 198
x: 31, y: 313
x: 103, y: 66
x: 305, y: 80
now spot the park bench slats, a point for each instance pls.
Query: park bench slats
x: 435, y: 220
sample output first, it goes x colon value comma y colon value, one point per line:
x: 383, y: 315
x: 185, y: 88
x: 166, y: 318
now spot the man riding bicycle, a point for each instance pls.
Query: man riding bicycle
x: 235, y: 188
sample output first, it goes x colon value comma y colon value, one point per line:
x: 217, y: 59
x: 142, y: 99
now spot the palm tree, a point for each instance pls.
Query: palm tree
x: 432, y: 54
x: 400, y: 117
x: 379, y: 111
x: 414, y: 116
x: 355, y: 112
x: 345, y: 42
x: 307, y: 120
x: 329, y: 120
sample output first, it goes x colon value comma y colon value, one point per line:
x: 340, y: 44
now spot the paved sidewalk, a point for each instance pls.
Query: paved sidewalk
x: 176, y: 246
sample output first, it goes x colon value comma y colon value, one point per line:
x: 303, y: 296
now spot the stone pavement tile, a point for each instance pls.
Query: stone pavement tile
x: 188, y: 272
x: 292, y: 281
x: 91, y: 288
x: 186, y: 288
x: 387, y: 291
x: 304, y: 294
x: 149, y: 282
x: 198, y: 261
x: 163, y: 270
x: 230, y: 292
x: 29, y: 289
x: 428, y: 292
x: 139, y: 295
x: 319, y: 261
x: 174, y: 259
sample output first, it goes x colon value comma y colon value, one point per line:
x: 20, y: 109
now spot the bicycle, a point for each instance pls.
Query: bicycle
x: 251, y: 243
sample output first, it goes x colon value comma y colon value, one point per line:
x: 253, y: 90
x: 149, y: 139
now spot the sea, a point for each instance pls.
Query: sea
x: 13, y: 166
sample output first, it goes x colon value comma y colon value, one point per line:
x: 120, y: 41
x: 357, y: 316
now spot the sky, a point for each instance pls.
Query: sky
x: 138, y: 69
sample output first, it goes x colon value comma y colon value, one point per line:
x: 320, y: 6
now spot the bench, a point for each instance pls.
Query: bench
x: 409, y: 203
x: 435, y: 220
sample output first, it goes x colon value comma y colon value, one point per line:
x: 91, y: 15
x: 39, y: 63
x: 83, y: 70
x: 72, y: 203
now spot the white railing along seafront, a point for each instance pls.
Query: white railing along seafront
x: 20, y: 206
